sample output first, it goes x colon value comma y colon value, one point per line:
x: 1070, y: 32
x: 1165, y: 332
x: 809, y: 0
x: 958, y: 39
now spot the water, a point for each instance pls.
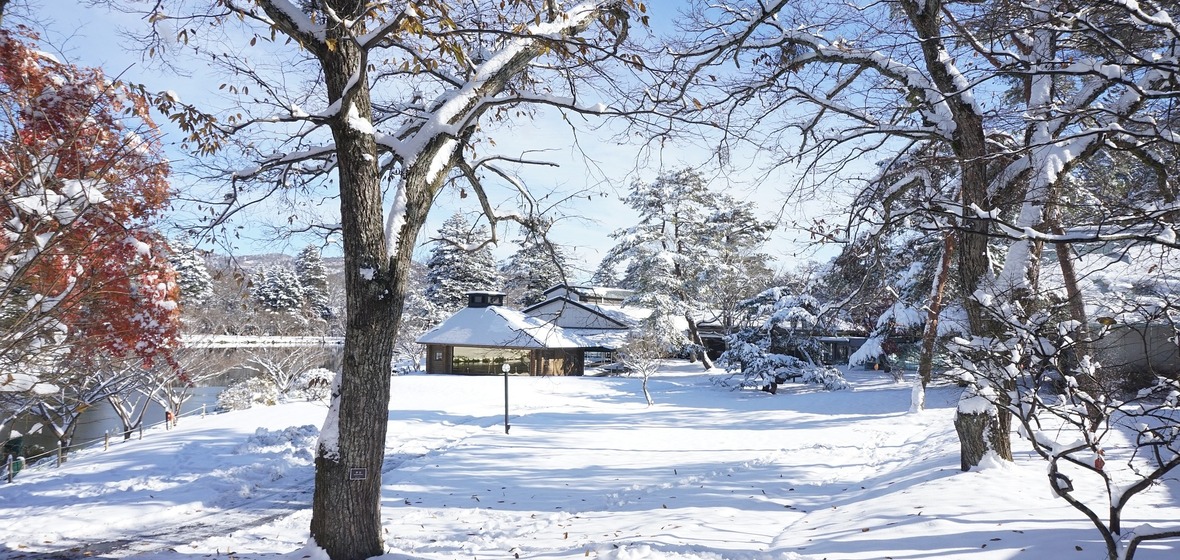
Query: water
x: 100, y: 419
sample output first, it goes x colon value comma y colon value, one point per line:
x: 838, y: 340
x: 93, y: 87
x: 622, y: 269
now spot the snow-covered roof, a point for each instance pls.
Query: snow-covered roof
x: 498, y: 327
x: 611, y: 339
x: 629, y: 315
x: 622, y: 317
x: 601, y: 292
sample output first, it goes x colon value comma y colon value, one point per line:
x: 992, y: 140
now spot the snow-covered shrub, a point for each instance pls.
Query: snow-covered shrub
x: 759, y: 368
x: 756, y: 367
x: 829, y: 377
x: 294, y: 441
x: 245, y: 394
x: 870, y: 351
x: 314, y: 384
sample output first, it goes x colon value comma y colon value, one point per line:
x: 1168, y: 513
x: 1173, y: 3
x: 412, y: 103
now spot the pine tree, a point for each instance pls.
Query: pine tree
x: 683, y: 256
x: 192, y: 274
x: 605, y: 275
x: 454, y: 269
x: 536, y: 267
x: 277, y: 288
x: 313, y: 278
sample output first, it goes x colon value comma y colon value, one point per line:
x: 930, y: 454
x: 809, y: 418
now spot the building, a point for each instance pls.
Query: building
x: 575, y: 327
x: 484, y: 336
x: 596, y: 316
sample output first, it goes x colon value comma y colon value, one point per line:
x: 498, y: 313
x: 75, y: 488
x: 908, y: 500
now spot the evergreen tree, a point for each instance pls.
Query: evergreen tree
x: 684, y: 255
x: 277, y: 288
x: 192, y: 274
x: 313, y: 278
x: 536, y: 267
x: 457, y: 267
x: 605, y: 275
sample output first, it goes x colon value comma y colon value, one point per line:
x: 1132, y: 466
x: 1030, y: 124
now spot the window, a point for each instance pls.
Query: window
x: 488, y: 360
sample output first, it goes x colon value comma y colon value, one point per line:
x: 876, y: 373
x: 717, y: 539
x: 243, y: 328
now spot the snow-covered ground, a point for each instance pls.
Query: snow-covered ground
x: 587, y: 471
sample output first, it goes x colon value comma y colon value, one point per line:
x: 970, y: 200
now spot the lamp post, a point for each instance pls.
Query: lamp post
x: 505, y: 368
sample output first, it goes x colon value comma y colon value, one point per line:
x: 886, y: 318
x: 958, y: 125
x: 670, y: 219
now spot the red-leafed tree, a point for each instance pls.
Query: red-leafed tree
x: 82, y: 181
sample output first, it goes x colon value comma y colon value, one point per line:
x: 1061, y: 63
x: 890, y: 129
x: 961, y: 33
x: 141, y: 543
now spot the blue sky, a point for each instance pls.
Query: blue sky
x: 86, y: 35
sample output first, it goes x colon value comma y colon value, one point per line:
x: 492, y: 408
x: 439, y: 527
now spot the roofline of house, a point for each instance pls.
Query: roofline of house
x: 576, y: 304
x: 500, y: 347
x: 498, y: 310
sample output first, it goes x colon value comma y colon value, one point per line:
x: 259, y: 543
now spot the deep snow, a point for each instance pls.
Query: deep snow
x: 588, y: 471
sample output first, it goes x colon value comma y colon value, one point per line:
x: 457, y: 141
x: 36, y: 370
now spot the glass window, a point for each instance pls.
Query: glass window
x: 489, y: 360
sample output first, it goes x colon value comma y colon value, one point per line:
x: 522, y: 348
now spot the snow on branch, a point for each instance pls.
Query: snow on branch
x: 1152, y: 226
x: 282, y: 159
x: 456, y: 109
x: 936, y: 107
x: 288, y: 17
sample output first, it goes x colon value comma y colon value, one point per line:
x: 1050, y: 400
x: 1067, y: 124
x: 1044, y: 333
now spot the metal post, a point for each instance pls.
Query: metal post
x: 504, y: 368
x: 8, y: 466
x: 202, y: 411
x: 106, y: 440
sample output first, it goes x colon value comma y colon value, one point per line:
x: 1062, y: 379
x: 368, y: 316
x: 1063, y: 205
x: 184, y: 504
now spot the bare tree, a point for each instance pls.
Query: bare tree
x: 83, y: 383
x: 641, y: 354
x: 1134, y: 442
x: 168, y: 385
x: 978, y: 114
x: 284, y: 366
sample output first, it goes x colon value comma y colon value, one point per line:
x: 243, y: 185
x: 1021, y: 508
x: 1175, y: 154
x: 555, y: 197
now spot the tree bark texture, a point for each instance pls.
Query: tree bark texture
x: 346, y: 510
x: 346, y: 505
x: 973, y: 429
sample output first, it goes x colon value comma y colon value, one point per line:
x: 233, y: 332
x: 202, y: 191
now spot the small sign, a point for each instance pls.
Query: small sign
x: 358, y: 473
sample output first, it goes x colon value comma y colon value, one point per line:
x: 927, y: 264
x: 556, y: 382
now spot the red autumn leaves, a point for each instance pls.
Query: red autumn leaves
x: 82, y: 181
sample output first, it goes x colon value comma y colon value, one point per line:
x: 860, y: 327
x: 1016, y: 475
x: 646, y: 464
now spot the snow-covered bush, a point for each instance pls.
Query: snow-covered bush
x: 245, y: 394
x: 314, y: 384
x: 829, y: 377
x: 754, y: 366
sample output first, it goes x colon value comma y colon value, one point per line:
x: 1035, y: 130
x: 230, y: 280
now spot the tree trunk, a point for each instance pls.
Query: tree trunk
x: 1000, y: 436
x: 930, y: 334
x: 346, y: 505
x: 973, y: 430
x: 694, y: 335
x: 1091, y: 384
x: 970, y: 147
